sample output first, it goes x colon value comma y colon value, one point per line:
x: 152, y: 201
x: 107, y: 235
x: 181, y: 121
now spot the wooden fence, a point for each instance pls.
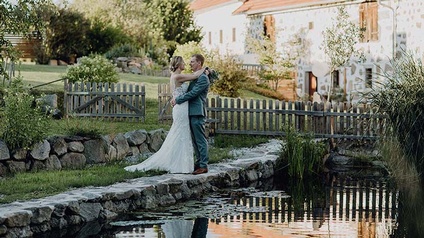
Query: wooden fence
x: 272, y: 117
x: 113, y: 101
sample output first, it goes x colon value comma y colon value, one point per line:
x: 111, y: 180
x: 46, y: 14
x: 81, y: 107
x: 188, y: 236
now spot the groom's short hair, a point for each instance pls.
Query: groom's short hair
x: 200, y: 58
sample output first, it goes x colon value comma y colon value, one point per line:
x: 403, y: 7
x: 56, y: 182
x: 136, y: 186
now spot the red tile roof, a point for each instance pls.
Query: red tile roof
x: 202, y: 4
x: 260, y: 6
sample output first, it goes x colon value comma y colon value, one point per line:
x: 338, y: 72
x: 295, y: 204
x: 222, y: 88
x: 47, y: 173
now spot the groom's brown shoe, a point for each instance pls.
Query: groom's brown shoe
x: 200, y: 171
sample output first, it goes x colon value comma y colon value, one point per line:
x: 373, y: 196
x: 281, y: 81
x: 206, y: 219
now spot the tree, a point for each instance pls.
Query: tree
x: 339, y: 42
x: 19, y: 18
x: 174, y: 20
x: 128, y: 15
x: 102, y: 37
x: 67, y: 35
x: 278, y: 65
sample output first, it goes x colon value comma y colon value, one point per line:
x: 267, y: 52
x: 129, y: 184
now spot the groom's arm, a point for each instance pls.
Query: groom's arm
x: 201, y: 85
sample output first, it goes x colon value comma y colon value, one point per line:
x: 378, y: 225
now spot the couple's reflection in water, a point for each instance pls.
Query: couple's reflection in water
x: 186, y: 228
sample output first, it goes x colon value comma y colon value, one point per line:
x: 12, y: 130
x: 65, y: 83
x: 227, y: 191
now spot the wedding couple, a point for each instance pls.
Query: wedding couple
x: 187, y: 133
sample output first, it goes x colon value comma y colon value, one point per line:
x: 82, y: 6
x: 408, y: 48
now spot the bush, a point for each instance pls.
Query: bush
x: 23, y: 122
x: 231, y: 75
x: 94, y: 68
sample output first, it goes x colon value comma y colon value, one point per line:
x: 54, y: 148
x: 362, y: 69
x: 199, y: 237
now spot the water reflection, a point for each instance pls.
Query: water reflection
x: 336, y: 207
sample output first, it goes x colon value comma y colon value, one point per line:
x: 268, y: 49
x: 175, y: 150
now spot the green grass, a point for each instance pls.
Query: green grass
x: 25, y: 186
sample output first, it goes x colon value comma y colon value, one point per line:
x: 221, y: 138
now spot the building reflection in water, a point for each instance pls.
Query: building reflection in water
x: 365, y: 209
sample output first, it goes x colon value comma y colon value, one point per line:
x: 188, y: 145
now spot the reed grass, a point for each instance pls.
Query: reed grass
x: 401, y: 97
x: 301, y: 155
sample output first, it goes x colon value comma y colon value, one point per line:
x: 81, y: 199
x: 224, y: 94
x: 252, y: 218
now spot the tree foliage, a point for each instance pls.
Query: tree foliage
x: 276, y: 65
x: 66, y: 34
x: 174, y: 20
x: 19, y: 18
x: 340, y: 40
x: 157, y: 26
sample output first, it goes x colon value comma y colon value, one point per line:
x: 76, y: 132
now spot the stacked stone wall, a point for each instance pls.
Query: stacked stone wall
x: 75, y: 152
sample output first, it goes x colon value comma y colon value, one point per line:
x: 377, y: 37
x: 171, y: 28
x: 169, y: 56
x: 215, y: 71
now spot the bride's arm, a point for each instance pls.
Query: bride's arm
x: 181, y: 78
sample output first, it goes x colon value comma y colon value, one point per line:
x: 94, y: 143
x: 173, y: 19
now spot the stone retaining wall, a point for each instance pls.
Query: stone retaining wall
x: 75, y: 152
x: 101, y: 204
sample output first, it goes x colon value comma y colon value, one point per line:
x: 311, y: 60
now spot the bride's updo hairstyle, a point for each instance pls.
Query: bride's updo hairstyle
x: 175, y: 63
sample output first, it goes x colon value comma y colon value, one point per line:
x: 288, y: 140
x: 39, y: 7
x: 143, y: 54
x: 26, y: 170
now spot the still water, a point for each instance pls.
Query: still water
x: 328, y: 207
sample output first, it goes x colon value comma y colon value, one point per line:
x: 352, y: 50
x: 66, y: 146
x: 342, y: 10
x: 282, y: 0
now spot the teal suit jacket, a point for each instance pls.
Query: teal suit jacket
x: 196, y: 96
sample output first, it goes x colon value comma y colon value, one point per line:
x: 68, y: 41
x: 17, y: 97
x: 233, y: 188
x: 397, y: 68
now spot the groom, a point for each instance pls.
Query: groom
x: 196, y: 96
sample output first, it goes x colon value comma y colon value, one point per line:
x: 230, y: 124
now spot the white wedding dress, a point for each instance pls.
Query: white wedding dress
x: 176, y: 152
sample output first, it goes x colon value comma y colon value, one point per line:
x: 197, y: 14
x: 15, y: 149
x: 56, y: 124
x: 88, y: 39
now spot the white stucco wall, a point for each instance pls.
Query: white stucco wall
x: 220, y: 18
x: 409, y: 35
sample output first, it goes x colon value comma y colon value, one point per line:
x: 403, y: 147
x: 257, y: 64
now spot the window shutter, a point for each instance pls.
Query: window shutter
x: 374, y: 21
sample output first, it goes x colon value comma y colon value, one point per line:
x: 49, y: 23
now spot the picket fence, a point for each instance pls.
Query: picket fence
x: 107, y: 100
x: 274, y: 117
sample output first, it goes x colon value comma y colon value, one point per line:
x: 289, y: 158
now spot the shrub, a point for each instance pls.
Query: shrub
x: 231, y: 75
x: 23, y: 122
x: 94, y: 68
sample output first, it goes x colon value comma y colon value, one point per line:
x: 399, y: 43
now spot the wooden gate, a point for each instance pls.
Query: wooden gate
x: 112, y: 101
x: 164, y: 98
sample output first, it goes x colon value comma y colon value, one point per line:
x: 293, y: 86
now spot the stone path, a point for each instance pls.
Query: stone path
x: 76, y: 207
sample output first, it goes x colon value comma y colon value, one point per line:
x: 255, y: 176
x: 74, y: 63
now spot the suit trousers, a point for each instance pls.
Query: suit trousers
x: 200, y: 143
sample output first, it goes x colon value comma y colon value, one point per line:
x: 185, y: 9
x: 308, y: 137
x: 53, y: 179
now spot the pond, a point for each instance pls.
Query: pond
x: 334, y: 206
x: 344, y: 208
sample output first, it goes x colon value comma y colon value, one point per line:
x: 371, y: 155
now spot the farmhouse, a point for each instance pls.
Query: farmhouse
x: 391, y: 27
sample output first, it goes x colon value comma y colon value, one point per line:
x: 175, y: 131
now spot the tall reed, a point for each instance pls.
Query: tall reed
x: 301, y: 155
x: 400, y: 96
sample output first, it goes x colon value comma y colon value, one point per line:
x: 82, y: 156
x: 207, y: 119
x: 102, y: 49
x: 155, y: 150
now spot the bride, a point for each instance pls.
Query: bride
x: 176, y: 152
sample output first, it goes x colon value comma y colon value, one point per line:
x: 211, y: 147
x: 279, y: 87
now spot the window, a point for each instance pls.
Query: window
x: 210, y: 38
x: 269, y: 27
x: 221, y: 40
x: 368, y: 78
x: 368, y: 20
x: 336, y: 79
x: 234, y: 34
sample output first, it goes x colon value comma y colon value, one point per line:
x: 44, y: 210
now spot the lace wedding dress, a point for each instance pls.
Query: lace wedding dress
x: 176, y: 152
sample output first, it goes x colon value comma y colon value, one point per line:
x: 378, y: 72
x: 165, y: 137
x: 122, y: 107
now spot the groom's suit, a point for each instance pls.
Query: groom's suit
x: 196, y: 96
